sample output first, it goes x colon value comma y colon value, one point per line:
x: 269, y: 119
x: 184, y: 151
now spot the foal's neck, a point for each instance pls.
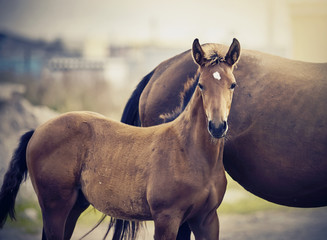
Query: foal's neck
x: 193, y: 129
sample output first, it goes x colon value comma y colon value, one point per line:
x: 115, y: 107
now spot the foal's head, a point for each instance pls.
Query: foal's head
x: 217, y: 84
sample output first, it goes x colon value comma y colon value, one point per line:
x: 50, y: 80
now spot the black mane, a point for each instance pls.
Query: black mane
x: 185, y: 97
x: 214, y: 59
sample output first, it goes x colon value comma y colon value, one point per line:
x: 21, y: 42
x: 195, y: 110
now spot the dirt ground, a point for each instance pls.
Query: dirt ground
x: 299, y: 224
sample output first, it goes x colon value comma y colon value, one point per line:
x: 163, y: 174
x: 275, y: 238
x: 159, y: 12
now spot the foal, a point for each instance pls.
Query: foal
x: 171, y: 173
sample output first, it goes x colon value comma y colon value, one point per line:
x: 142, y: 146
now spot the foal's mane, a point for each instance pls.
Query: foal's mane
x: 212, y: 58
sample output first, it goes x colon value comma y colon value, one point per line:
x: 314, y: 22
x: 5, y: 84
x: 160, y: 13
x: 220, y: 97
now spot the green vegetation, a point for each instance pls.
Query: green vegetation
x: 28, y: 216
x: 91, y: 216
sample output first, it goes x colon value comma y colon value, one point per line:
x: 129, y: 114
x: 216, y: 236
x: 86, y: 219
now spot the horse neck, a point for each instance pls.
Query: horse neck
x: 191, y: 127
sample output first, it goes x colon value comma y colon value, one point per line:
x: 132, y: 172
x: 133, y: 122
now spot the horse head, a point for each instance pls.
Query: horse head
x: 217, y: 83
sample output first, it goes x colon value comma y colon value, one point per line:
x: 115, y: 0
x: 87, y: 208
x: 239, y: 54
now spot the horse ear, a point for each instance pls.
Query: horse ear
x: 233, y: 53
x: 197, y: 52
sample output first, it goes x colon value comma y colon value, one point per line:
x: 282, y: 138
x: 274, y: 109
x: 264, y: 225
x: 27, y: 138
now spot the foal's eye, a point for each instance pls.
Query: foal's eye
x: 200, y: 86
x: 233, y: 86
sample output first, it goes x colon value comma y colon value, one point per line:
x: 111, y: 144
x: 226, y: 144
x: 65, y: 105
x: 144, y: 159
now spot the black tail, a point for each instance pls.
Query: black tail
x: 16, y: 173
x: 124, y: 229
x: 131, y: 111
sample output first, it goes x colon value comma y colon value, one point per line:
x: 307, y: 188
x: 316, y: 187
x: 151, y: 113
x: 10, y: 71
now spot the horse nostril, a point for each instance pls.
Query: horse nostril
x: 210, y: 125
x: 222, y: 127
x: 217, y: 131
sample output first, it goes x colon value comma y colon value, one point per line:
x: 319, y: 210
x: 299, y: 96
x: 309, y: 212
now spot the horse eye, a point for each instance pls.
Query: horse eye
x: 233, y: 86
x: 200, y: 86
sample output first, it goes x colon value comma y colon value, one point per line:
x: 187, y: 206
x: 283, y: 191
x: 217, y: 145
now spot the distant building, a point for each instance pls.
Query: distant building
x: 26, y: 56
x: 76, y: 64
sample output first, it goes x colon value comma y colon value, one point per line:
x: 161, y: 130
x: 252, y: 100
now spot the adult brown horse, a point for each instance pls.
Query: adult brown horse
x: 171, y: 173
x: 277, y: 143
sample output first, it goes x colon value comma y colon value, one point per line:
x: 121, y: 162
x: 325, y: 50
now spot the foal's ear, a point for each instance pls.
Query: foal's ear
x: 197, y: 52
x: 233, y: 53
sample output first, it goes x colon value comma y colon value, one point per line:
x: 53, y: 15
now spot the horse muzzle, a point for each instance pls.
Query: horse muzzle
x: 217, y: 131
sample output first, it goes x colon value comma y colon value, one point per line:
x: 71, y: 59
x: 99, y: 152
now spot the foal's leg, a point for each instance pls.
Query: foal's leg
x: 80, y: 205
x: 166, y: 226
x: 55, y: 210
x: 43, y: 234
x: 206, y: 227
x: 184, y: 232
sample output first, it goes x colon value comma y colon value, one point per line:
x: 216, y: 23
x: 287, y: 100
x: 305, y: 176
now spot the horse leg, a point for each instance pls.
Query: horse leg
x: 166, y: 226
x: 55, y: 211
x: 205, y: 227
x: 80, y: 205
x: 184, y: 232
x: 43, y: 234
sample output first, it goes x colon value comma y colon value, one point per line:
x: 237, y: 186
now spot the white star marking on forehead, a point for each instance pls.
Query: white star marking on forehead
x: 216, y: 75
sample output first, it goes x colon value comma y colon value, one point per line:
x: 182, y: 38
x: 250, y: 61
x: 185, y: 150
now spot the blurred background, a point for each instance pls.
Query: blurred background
x: 64, y: 55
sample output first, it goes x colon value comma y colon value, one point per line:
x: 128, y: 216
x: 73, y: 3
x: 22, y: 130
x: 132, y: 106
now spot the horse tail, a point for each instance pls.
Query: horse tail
x: 16, y: 173
x: 131, y: 111
x: 123, y: 229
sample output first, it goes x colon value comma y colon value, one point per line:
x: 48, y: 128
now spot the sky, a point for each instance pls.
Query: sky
x: 165, y: 21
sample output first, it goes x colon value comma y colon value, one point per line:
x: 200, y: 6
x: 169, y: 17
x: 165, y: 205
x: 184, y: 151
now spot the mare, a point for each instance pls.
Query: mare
x: 277, y: 145
x: 171, y: 173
